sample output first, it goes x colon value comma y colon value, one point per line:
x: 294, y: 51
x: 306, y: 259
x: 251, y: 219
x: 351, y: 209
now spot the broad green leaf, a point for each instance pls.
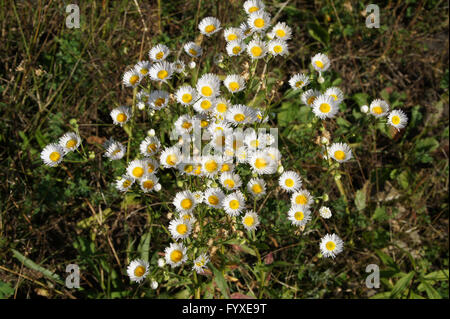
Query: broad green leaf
x: 431, y: 292
x: 144, y: 246
x: 401, y: 285
x: 220, y: 282
x: 5, y: 290
x: 439, y: 275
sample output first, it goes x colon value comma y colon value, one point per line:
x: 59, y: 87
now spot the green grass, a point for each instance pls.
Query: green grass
x: 391, y: 209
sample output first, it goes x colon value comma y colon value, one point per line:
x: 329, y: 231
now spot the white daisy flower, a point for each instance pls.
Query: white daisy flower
x: 180, y: 228
x: 70, y: 141
x: 243, y: 154
x: 198, y: 195
x: 277, y: 47
x: 213, y: 197
x: 246, y: 29
x: 234, y: 83
x: 251, y: 6
x: 170, y: 157
x: 234, y: 203
x: 197, y: 170
x: 325, y: 212
x: 341, y: 152
x: 178, y: 66
x: 250, y: 220
x: 320, y: 62
x: 235, y: 47
x: 227, y: 166
x: 221, y: 107
x: 200, y: 263
x: 159, y: 53
x: 149, y: 146
x: 256, y: 187
x: 261, y: 163
x: 232, y: 34
x: 290, y: 181
x: 184, y: 201
x: 298, y: 81
x: 379, y: 108
x: 52, y: 154
x: 193, y: 49
x: 397, y: 119
x: 260, y: 118
x: 302, y: 197
x: 184, y: 124
x: 208, y: 85
x: 240, y: 114
x: 158, y: 99
x: 256, y: 49
x: 259, y: 20
x: 188, y: 217
x: 210, y: 165
x: 282, y: 31
x: 161, y: 71
x: 209, y: 26
x: 186, y: 95
x: 175, y: 254
x: 205, y: 105
x: 185, y: 168
x: 336, y: 94
x: 142, y: 97
x: 121, y: 115
x: 124, y: 183
x: 152, y: 165
x: 142, y: 68
x: 310, y: 96
x: 137, y: 168
x: 325, y: 107
x: 131, y: 78
x: 230, y: 181
x: 114, y: 150
x: 299, y: 215
x: 149, y: 183
x: 137, y: 270
x: 331, y: 245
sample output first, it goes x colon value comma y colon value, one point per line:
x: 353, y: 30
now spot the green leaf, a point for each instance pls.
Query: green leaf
x: 360, y: 199
x: 380, y: 214
x: 386, y: 259
x: 401, y: 285
x: 439, y: 275
x: 361, y: 98
x: 381, y: 295
x: 5, y: 290
x: 403, y: 179
x: 144, y: 246
x: 431, y: 292
x: 32, y: 265
x: 220, y: 282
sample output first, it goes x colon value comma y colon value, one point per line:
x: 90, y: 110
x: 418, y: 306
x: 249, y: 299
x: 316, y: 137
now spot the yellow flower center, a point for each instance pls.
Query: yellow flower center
x: 231, y: 37
x: 339, y: 155
x: 186, y: 203
x: 121, y: 117
x: 198, y: 170
x: 134, y: 79
x: 330, y: 245
x: 138, y: 172
x: 160, y: 102
x: 204, y: 123
x: 205, y: 104
x: 151, y: 148
x: 289, y: 182
x: 396, y: 120
x: 254, y: 143
x: 253, y: 9
x: 259, y: 23
x: 299, y: 84
x: 229, y: 183
x: 213, y: 200
x: 319, y: 64
x: 171, y: 159
x: 249, y: 221
x: 192, y: 52
x: 210, y: 28
x: 377, y: 110
x: 148, y: 184
x: 239, y: 117
x: 126, y: 183
x: 182, y: 229
x: 234, y: 86
x: 151, y: 168
x: 311, y: 100
x: 71, y: 143
x: 55, y: 156
x: 278, y: 49
x: 139, y: 271
x: 207, y: 91
x: 176, y: 256
x: 256, y: 188
x: 188, y: 168
x: 159, y: 55
x: 236, y: 49
x: 256, y: 51
x: 186, y: 98
x: 186, y: 125
x: 325, y: 107
x: 162, y: 74
x: 301, y: 200
x: 280, y: 33
x: 299, y: 216
x: 225, y: 168
x: 234, y: 204
x: 334, y: 96
x: 260, y: 163
x: 211, y: 166
x: 144, y: 71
